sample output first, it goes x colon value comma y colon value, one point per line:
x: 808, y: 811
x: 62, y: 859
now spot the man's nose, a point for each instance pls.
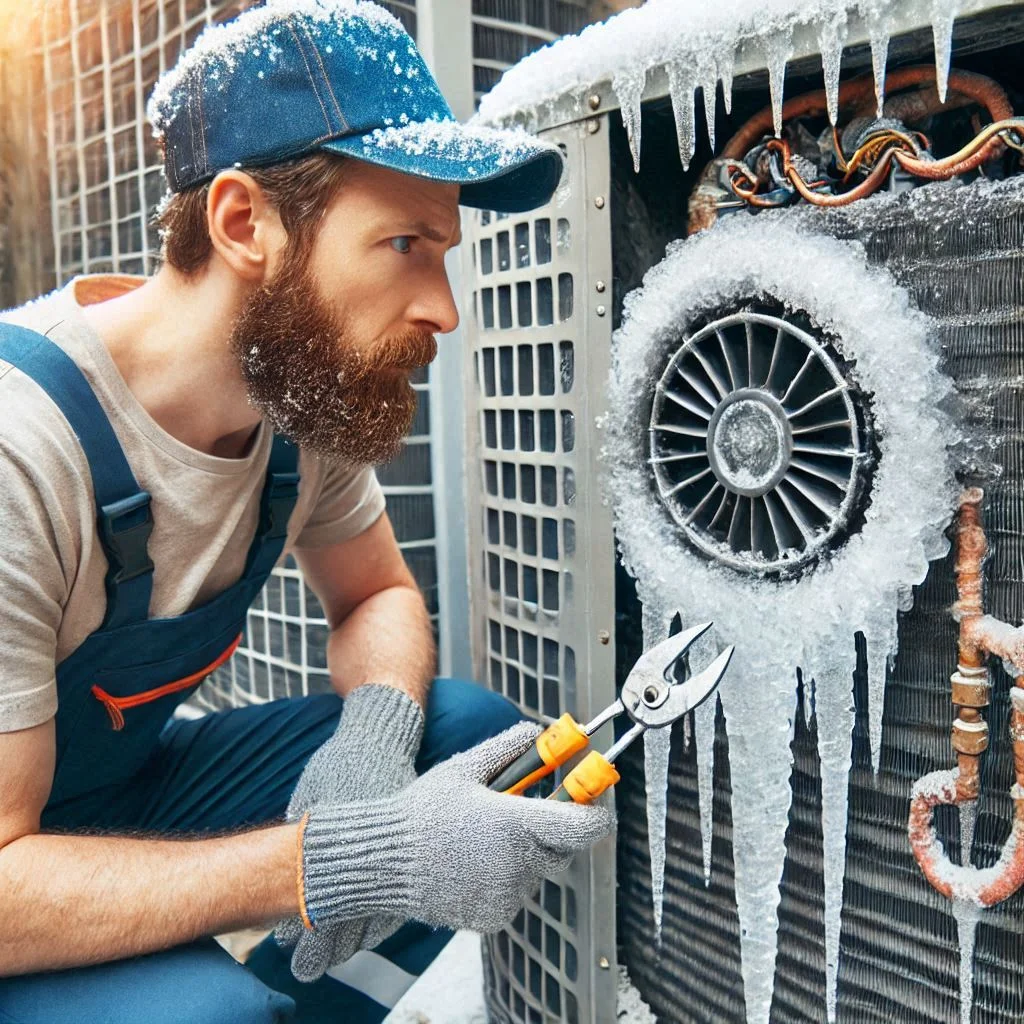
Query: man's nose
x: 435, y: 308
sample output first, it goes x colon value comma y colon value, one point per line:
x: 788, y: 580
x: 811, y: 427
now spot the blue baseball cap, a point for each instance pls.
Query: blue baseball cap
x: 283, y: 80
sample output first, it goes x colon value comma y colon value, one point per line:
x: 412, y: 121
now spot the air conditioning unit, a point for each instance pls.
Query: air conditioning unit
x: 750, y: 381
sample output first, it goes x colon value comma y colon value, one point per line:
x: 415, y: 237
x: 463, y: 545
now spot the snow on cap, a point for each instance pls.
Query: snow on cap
x: 283, y: 80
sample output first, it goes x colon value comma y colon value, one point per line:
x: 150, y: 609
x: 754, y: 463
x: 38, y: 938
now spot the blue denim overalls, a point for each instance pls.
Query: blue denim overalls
x: 117, y: 690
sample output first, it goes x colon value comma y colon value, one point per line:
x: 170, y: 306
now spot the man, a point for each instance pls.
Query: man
x: 163, y: 443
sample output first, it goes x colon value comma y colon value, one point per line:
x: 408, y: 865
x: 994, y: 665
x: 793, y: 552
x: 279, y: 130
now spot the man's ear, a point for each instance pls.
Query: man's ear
x: 245, y: 229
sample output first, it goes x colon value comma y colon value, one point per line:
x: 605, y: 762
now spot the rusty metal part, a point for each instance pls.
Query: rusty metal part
x: 857, y: 94
x: 980, y: 636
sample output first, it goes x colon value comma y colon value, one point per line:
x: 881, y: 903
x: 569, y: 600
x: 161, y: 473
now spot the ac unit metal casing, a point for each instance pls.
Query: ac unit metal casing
x: 542, y: 595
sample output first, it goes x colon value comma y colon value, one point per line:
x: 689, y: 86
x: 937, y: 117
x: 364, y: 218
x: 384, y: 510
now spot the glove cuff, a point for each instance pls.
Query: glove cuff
x: 354, y: 861
x: 382, y: 720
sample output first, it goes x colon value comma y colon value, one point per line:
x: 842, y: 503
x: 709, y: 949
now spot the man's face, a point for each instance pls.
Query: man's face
x: 327, y: 345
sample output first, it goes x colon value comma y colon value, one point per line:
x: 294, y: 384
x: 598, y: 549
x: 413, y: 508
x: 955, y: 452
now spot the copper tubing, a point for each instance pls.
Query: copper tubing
x: 861, y: 90
x: 980, y: 635
x: 963, y: 87
x: 935, y: 865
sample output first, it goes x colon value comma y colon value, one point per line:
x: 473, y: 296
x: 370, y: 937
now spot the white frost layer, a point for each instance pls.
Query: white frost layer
x: 810, y: 621
x: 698, y: 43
x: 630, y: 1006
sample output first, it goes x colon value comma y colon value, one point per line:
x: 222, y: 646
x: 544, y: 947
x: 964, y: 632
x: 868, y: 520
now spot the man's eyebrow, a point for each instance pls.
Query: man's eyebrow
x: 420, y: 227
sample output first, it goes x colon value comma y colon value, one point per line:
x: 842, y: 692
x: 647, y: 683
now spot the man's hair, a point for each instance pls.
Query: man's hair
x: 300, y: 190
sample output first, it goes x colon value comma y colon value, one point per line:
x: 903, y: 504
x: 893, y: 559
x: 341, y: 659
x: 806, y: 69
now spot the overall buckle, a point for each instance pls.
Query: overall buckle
x: 279, y: 497
x: 124, y: 528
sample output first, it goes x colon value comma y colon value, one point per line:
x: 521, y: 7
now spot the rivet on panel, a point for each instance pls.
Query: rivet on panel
x: 604, y: 963
x: 599, y: 202
x: 603, y: 636
x: 601, y: 311
x: 600, y: 286
x: 594, y: 101
x: 593, y: 126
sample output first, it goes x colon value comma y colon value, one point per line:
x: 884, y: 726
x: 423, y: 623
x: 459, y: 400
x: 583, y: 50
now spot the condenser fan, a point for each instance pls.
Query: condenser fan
x: 759, y: 442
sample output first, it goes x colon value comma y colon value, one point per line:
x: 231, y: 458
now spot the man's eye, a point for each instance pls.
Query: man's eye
x: 403, y: 243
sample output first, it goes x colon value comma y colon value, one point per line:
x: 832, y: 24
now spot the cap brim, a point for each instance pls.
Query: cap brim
x: 507, y: 171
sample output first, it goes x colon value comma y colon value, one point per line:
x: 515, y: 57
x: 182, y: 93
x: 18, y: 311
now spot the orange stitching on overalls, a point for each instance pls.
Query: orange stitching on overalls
x: 309, y: 75
x: 115, y: 705
x: 327, y: 81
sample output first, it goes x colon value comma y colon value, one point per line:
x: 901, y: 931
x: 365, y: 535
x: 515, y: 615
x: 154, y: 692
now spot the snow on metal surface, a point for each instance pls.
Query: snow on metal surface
x: 698, y: 44
x: 808, y: 621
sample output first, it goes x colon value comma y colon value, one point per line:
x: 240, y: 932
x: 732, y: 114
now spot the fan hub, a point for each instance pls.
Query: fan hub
x: 749, y: 442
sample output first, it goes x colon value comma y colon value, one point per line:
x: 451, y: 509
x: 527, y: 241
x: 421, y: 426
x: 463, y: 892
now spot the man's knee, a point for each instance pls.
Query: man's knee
x: 460, y: 715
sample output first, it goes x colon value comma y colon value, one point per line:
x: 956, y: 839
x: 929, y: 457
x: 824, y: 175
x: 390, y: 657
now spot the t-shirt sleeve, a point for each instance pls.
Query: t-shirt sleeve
x: 350, y: 501
x: 37, y: 556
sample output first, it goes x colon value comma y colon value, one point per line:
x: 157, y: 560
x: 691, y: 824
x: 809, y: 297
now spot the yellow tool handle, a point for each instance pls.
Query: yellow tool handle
x: 554, y: 746
x: 588, y: 780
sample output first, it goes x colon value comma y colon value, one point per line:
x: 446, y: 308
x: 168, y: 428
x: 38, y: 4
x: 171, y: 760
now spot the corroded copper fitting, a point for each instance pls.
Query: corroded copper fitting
x: 970, y: 687
x: 985, y: 887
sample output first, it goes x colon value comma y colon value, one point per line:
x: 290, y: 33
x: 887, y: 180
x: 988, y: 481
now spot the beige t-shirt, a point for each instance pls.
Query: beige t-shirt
x: 205, y: 508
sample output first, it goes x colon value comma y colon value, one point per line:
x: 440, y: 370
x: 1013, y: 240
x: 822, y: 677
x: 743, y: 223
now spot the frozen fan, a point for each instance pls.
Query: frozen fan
x: 760, y: 440
x: 747, y: 395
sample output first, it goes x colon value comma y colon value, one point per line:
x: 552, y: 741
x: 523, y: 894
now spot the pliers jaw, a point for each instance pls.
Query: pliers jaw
x: 651, y: 699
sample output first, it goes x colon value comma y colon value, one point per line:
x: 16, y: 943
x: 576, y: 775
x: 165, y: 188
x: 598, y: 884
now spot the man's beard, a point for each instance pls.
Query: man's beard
x: 305, y: 373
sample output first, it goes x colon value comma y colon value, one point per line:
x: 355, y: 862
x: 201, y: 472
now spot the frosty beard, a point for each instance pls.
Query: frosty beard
x: 304, y: 373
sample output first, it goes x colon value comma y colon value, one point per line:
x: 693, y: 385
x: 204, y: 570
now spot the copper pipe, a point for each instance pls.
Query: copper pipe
x: 963, y: 87
x: 980, y: 635
x: 856, y: 91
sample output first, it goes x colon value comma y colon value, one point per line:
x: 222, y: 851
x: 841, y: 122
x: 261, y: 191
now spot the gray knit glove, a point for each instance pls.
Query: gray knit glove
x: 370, y: 755
x: 446, y: 851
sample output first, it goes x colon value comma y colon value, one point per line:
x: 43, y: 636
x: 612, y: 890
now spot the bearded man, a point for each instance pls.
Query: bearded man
x: 164, y: 443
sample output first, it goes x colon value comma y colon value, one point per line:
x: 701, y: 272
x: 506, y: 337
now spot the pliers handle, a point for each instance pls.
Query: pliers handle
x: 555, y: 745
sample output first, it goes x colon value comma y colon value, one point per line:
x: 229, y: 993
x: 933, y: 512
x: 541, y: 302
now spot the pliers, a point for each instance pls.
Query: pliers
x: 648, y: 697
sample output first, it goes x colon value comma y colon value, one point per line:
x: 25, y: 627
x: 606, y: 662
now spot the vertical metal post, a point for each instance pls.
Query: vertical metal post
x: 445, y: 32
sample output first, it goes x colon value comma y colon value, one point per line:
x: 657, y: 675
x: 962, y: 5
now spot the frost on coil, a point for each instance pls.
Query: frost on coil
x: 807, y: 622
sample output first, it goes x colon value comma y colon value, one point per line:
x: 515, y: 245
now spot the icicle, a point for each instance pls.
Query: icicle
x: 831, y: 39
x: 881, y: 648
x: 681, y: 85
x: 760, y: 759
x: 943, y: 15
x: 968, y: 819
x: 707, y: 76
x: 835, y: 719
x: 967, y: 914
x: 687, y: 733
x: 878, y: 33
x: 656, y: 758
x: 726, y: 70
x: 629, y: 89
x: 777, y: 50
x: 657, y: 743
x: 702, y: 653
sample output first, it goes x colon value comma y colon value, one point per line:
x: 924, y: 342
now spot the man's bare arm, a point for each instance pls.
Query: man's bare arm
x: 70, y: 900
x: 380, y: 629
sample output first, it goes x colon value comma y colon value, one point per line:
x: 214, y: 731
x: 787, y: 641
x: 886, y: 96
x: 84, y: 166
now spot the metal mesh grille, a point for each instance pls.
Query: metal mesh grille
x: 99, y: 60
x: 538, y: 519
x: 505, y: 31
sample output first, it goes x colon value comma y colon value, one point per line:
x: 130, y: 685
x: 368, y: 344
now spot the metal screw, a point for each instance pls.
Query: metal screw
x: 650, y: 694
x: 599, y: 202
x: 603, y: 636
x: 593, y: 126
x: 600, y: 286
x: 603, y: 963
x: 601, y: 311
x: 594, y: 101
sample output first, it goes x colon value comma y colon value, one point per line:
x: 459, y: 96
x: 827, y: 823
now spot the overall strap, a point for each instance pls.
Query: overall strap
x: 280, y: 491
x: 124, y: 519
